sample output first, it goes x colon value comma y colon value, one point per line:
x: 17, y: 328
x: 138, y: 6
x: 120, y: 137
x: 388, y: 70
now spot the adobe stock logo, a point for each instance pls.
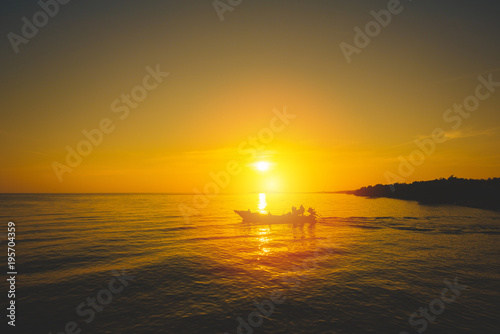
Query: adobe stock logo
x: 372, y: 29
x: 102, y: 299
x: 121, y: 106
x: 436, y: 307
x: 252, y: 146
x: 40, y: 19
x: 225, y: 6
x: 455, y: 115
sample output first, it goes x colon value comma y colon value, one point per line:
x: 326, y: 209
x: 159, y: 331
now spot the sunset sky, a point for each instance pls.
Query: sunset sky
x: 227, y: 81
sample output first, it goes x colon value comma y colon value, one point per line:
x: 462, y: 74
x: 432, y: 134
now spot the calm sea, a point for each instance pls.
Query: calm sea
x: 365, y: 267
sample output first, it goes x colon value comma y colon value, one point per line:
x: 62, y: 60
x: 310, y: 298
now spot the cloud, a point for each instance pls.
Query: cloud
x: 35, y: 152
x: 468, y: 134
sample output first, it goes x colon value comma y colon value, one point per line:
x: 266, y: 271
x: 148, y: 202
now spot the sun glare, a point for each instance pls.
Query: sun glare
x: 262, y: 203
x: 262, y: 165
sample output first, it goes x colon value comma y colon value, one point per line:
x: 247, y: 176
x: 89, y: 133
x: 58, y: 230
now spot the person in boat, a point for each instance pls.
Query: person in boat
x: 301, y: 210
x: 294, y: 210
x: 312, y: 212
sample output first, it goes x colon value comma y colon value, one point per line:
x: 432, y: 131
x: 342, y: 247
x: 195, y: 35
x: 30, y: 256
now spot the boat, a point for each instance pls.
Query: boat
x: 290, y: 218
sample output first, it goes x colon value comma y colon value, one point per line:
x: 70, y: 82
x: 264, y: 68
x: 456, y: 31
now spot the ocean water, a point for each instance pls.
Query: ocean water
x: 365, y: 267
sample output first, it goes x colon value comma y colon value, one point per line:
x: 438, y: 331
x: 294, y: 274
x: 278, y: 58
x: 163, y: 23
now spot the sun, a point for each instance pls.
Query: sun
x: 262, y: 166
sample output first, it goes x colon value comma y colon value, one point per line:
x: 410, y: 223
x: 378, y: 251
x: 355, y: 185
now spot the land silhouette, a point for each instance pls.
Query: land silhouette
x: 482, y: 194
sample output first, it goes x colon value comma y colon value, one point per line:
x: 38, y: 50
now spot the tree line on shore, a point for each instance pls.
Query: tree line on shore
x: 483, y: 194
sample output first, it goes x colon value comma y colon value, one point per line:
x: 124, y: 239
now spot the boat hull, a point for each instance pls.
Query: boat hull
x: 255, y: 217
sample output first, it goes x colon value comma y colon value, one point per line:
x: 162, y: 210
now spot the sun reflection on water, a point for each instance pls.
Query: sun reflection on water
x: 262, y: 203
x: 264, y: 239
x: 263, y: 232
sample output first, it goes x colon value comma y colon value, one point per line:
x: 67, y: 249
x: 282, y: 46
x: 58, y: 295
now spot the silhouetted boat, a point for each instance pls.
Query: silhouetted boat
x: 257, y: 217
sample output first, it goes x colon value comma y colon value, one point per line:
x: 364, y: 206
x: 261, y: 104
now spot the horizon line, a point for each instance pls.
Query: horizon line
x: 170, y: 193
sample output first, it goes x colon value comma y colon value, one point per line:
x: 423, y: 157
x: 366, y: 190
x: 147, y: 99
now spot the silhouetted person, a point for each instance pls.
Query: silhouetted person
x: 301, y: 210
x: 311, y: 211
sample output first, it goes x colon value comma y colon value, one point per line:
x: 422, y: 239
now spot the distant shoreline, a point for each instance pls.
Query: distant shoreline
x: 480, y: 194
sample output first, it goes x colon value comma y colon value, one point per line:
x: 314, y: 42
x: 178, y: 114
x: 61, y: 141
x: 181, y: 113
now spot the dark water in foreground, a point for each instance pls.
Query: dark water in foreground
x: 364, y: 268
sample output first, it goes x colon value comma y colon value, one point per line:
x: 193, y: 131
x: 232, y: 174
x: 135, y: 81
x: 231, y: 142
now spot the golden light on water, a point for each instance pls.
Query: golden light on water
x: 264, y: 239
x: 262, y: 203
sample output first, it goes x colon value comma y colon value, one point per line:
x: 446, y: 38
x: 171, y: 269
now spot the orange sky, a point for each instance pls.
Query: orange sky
x: 228, y: 79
